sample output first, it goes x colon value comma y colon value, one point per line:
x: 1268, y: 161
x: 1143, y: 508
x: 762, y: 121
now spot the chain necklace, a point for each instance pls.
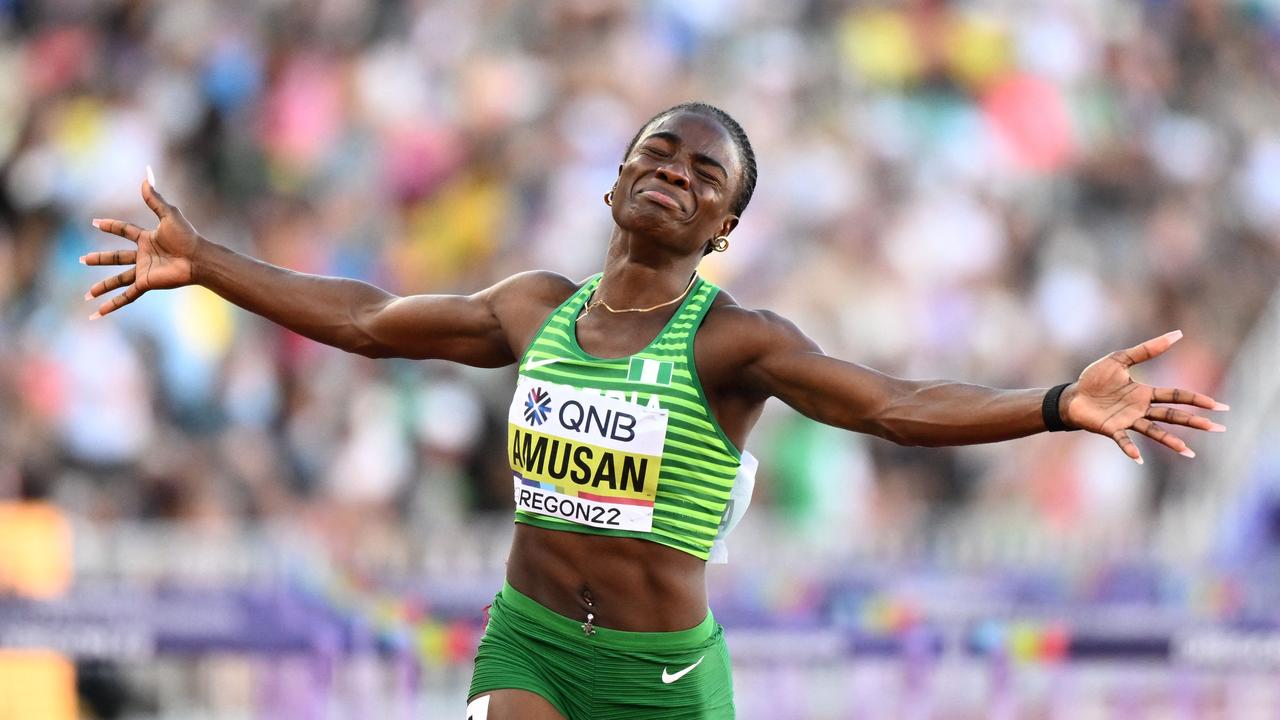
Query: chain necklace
x: 599, y: 300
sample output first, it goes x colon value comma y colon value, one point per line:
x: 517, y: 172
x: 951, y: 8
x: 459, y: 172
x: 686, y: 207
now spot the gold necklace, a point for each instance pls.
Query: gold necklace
x: 599, y: 300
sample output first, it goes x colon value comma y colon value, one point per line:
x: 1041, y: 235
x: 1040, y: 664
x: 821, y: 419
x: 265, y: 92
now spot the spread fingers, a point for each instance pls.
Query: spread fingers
x: 128, y: 231
x: 1164, y: 437
x: 130, y: 294
x: 1186, y: 397
x: 110, y: 257
x: 111, y: 283
x: 1126, y: 445
x: 1174, y: 416
x: 1143, y: 352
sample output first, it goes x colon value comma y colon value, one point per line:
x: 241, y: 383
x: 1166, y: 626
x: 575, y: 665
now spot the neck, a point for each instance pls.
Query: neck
x: 640, y: 272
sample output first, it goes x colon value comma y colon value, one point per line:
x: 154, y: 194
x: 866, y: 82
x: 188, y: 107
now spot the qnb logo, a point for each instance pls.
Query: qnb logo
x: 537, y: 406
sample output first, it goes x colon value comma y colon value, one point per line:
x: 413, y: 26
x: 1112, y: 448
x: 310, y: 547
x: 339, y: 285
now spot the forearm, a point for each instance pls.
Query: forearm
x: 325, y: 309
x: 938, y: 412
x: 779, y: 361
x: 908, y: 412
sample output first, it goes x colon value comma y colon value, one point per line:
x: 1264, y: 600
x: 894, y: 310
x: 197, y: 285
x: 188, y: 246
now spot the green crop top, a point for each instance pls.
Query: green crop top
x: 627, y: 446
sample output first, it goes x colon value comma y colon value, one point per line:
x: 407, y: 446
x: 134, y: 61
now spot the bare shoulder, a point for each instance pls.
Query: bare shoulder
x: 733, y: 339
x: 740, y: 351
x: 748, y: 330
x: 522, y: 302
x: 536, y: 287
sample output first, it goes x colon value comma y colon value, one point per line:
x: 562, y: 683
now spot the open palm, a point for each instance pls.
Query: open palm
x: 1106, y: 400
x: 162, y: 258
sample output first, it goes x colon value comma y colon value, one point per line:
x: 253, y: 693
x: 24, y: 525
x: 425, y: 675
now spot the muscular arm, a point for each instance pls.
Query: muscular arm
x: 360, y: 318
x: 790, y: 366
x: 487, y: 329
x: 777, y: 360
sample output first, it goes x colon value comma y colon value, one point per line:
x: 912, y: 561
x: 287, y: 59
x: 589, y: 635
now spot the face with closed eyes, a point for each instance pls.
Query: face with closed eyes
x: 678, y: 184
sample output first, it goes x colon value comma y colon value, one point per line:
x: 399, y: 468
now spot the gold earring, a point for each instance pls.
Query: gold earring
x: 720, y: 244
x: 608, y: 198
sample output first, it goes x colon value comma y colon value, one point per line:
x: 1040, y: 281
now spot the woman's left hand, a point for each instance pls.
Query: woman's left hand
x: 1106, y: 400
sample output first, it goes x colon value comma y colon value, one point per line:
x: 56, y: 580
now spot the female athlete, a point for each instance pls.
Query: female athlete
x: 636, y: 392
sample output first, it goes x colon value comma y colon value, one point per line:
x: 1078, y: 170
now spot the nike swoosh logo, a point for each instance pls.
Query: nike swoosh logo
x: 668, y: 679
x: 532, y: 364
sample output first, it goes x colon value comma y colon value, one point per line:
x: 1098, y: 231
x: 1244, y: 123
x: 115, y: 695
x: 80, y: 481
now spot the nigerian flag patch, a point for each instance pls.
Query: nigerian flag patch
x: 653, y: 372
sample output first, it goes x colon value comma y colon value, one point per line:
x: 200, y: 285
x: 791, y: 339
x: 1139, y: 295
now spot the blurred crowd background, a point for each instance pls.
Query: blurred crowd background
x: 992, y: 191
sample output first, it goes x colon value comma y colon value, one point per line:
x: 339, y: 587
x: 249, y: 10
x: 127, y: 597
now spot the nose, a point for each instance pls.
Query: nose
x: 673, y: 175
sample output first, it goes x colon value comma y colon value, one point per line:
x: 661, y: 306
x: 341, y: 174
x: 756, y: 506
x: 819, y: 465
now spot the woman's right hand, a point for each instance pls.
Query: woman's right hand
x: 164, y: 257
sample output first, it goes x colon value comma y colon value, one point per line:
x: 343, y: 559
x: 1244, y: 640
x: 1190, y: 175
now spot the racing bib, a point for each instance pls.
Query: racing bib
x: 584, y: 455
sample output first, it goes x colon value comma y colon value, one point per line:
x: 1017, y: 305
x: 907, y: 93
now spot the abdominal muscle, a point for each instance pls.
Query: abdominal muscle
x: 631, y: 584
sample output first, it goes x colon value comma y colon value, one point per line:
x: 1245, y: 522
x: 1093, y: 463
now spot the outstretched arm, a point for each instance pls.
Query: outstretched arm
x: 1104, y: 400
x: 348, y: 314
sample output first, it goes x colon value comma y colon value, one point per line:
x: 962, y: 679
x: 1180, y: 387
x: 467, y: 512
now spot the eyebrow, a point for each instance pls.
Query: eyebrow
x: 697, y: 157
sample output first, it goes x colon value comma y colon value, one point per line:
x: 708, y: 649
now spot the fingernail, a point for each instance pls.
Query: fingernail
x: 1174, y: 336
x: 82, y: 262
x: 151, y: 177
x: 1215, y: 427
x: 1221, y: 406
x: 1138, y: 460
x: 1188, y: 453
x: 95, y: 316
x: 96, y: 223
x: 88, y: 296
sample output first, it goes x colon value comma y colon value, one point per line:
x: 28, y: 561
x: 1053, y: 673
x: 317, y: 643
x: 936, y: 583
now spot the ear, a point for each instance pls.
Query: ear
x: 728, y: 225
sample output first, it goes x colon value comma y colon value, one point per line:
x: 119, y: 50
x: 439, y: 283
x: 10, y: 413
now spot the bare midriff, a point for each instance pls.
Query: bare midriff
x: 624, y: 583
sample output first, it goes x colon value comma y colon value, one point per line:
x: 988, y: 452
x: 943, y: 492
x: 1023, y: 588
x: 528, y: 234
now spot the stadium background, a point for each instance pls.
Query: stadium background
x: 991, y: 191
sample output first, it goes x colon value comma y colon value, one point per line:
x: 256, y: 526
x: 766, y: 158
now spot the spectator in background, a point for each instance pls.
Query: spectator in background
x: 987, y: 179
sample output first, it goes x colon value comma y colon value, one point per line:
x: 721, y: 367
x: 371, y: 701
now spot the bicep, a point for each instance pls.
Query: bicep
x: 791, y: 367
x: 461, y: 328
x: 485, y: 329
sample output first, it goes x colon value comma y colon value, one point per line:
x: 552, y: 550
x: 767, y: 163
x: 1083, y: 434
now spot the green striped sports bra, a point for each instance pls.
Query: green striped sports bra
x: 628, y: 446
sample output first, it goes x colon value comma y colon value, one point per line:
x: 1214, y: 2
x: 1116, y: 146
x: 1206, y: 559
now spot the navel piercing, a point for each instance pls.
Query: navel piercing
x: 587, y: 628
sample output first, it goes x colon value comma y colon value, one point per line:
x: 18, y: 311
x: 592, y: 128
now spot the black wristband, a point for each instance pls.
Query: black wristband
x: 1049, y: 409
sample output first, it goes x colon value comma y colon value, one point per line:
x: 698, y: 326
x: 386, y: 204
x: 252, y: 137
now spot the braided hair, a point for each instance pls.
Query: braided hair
x: 747, y: 182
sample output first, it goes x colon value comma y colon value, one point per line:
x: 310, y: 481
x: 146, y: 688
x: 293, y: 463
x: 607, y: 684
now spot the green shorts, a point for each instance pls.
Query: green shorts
x: 611, y: 675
